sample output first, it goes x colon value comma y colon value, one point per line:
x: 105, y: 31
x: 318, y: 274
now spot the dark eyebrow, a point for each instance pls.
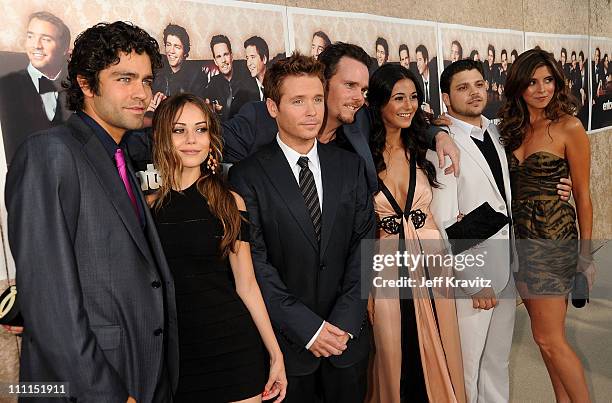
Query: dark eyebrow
x: 124, y: 74
x: 198, y: 123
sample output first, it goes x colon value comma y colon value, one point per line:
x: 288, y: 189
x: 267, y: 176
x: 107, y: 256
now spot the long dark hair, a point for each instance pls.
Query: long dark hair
x: 514, y: 113
x: 413, y: 137
x: 211, y: 185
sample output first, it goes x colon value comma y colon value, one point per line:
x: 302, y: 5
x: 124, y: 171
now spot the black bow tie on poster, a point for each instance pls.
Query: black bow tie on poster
x: 45, y: 85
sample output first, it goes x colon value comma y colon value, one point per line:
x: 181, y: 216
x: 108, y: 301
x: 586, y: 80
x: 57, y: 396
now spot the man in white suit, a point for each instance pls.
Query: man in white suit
x: 485, y: 314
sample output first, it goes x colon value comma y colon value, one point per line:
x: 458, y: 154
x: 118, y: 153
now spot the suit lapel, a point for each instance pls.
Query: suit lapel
x: 470, y: 148
x: 279, y: 173
x: 355, y: 135
x: 501, y: 153
x: 110, y: 181
x: 332, y: 187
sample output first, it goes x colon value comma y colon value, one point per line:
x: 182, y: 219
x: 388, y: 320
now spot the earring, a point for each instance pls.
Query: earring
x: 211, y: 163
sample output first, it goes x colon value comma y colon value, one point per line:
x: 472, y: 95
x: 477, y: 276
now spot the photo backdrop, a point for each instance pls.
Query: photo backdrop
x: 285, y: 29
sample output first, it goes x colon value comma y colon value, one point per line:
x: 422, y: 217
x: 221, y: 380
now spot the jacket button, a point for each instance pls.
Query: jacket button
x: 158, y: 332
x: 322, y: 267
x: 156, y: 284
x: 504, y: 232
x: 502, y: 207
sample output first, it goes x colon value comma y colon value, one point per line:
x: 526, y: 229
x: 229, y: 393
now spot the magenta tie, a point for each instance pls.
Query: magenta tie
x: 120, y: 160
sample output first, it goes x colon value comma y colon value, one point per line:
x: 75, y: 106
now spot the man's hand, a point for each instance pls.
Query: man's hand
x: 484, y: 299
x: 446, y: 146
x: 331, y: 341
x: 564, y: 189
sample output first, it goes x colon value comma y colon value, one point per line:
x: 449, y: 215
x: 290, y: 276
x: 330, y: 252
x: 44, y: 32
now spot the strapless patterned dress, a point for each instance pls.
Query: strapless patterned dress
x: 544, y: 225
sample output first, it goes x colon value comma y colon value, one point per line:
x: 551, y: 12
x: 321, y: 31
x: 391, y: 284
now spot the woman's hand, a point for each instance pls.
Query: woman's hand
x: 16, y: 330
x: 277, y: 381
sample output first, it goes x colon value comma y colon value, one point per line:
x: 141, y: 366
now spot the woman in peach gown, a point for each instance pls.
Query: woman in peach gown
x: 417, y: 349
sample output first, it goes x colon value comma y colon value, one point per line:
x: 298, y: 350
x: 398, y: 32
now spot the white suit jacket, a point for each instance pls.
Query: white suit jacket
x: 474, y: 186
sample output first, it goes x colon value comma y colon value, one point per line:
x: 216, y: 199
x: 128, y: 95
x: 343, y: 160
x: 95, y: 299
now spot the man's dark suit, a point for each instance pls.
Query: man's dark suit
x: 22, y: 111
x: 95, y: 290
x: 302, y: 283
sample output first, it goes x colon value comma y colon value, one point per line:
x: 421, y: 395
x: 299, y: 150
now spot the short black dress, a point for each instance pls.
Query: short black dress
x: 221, y: 353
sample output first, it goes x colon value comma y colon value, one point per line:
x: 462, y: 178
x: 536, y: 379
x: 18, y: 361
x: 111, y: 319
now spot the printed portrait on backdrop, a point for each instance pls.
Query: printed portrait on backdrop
x: 571, y: 54
x: 31, y: 98
x: 601, y: 84
x: 494, y: 48
x: 387, y: 40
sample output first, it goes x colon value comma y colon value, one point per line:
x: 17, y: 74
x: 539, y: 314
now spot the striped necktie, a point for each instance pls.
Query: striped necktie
x: 311, y: 198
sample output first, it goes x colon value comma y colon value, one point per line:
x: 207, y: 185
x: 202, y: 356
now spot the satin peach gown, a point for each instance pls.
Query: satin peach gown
x: 435, y: 342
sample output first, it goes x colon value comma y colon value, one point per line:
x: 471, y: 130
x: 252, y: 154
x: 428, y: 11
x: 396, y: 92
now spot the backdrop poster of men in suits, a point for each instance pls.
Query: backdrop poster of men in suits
x: 35, y: 42
x: 601, y: 83
x: 387, y: 40
x: 34, y: 53
x: 495, y: 48
x: 572, y: 55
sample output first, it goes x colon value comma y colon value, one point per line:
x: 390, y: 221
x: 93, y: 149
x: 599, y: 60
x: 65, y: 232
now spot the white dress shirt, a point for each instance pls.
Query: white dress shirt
x: 463, y: 128
x: 49, y: 98
x: 293, y: 156
x: 260, y: 88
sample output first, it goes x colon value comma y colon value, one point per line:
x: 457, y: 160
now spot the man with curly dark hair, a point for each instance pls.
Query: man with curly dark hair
x: 95, y: 291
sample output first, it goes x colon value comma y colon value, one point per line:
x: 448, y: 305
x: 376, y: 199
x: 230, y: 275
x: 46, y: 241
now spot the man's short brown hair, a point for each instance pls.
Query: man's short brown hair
x: 295, y: 65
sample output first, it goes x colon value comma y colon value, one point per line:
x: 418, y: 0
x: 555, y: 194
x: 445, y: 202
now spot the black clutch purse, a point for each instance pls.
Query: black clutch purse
x: 478, y: 225
x: 9, y: 307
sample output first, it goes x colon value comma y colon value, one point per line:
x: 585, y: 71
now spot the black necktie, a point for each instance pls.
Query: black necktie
x: 45, y: 85
x: 230, y: 98
x: 309, y: 191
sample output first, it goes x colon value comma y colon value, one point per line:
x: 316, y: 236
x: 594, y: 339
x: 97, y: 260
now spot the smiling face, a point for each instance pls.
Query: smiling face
x: 454, y: 53
x: 124, y: 92
x: 346, y: 90
x: 468, y: 95
x: 404, y: 58
x: 421, y: 63
x: 381, y: 55
x: 190, y: 137
x: 490, y: 57
x: 504, y: 61
x: 317, y: 46
x: 299, y: 113
x: 43, y: 47
x: 255, y: 64
x: 174, y: 52
x: 223, y: 59
x: 400, y: 109
x: 541, y: 88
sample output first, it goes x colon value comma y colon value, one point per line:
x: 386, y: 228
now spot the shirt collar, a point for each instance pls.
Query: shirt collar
x: 464, y: 128
x: 293, y: 156
x: 107, y: 141
x: 36, y: 75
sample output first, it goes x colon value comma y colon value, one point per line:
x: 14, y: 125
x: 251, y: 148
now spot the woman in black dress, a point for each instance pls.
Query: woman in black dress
x: 222, y: 319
